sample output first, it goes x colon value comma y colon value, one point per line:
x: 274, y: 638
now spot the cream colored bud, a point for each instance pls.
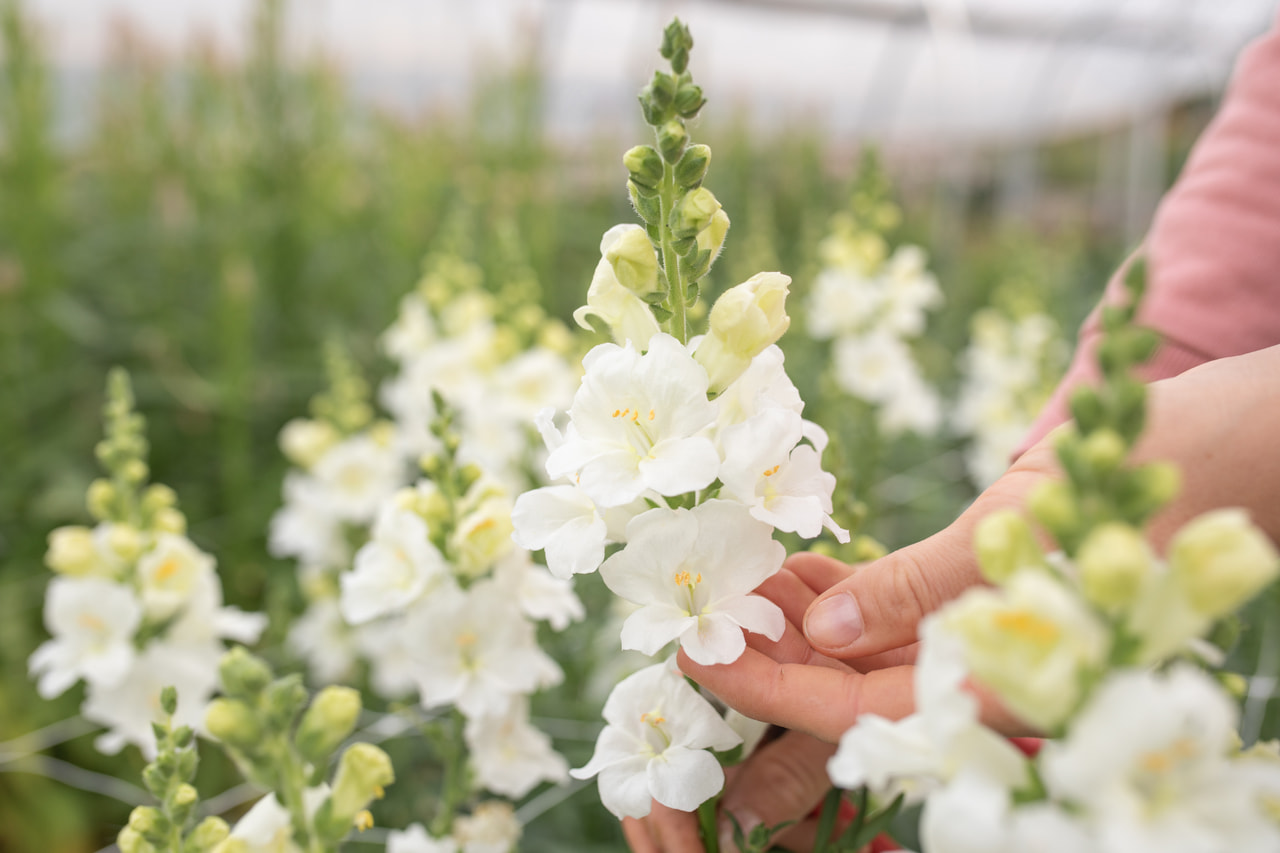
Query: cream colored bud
x: 305, y: 441
x: 101, y: 499
x: 482, y: 537
x: 635, y: 263
x: 158, y: 496
x: 208, y: 834
x: 1104, y: 449
x: 129, y: 840
x: 71, y: 551
x: 328, y: 721
x: 232, y: 722
x: 147, y: 820
x: 169, y: 520
x: 711, y: 238
x: 135, y: 471
x: 383, y: 433
x: 1221, y: 560
x: 1114, y: 562
x: 1004, y: 543
x: 126, y: 542
x: 1054, y: 505
x: 744, y: 321
x: 696, y: 211
x: 363, y: 772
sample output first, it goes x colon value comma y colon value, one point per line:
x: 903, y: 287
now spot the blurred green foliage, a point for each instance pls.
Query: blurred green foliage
x: 216, y: 223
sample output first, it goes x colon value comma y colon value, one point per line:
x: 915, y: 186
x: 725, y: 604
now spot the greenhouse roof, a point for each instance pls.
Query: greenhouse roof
x: 950, y: 72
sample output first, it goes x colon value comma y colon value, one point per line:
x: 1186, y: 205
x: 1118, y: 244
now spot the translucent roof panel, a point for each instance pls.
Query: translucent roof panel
x: 936, y: 71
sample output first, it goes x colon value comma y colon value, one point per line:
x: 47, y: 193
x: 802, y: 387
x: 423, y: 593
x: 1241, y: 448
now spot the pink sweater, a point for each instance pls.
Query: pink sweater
x: 1213, y: 252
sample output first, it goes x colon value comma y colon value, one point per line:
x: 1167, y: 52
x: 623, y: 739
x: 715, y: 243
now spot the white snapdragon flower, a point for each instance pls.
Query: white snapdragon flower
x: 322, y: 638
x: 492, y: 827
x: 413, y: 331
x: 534, y: 379
x: 266, y: 828
x: 1147, y: 764
x: 476, y: 650
x: 204, y: 622
x: 842, y: 301
x: 564, y: 521
x: 356, y: 476
x: 692, y: 572
x: 509, y: 755
x: 390, y: 647
x: 763, y: 385
x: 910, y: 290
x: 542, y: 596
x: 1032, y: 641
x: 783, y: 484
x: 92, y: 622
x: 415, y: 839
x: 170, y: 572
x: 655, y: 745
x: 304, y: 527
x: 129, y: 707
x: 939, y: 741
x: 973, y: 814
x: 638, y: 422
x: 393, y: 569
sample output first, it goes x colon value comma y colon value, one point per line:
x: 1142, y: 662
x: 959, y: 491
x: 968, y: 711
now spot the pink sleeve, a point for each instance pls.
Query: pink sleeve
x: 1213, y: 252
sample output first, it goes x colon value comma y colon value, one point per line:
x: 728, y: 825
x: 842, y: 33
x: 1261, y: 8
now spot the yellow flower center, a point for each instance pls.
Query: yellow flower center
x: 1028, y: 626
x: 168, y: 569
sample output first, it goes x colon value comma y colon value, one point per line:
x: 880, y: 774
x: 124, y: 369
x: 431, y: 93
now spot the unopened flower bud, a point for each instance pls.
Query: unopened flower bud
x: 158, y: 496
x: 130, y: 840
x: 71, y: 551
x: 1053, y: 503
x: 329, y: 720
x: 694, y: 212
x: 101, y: 499
x: 711, y: 238
x: 1086, y: 408
x: 363, y: 772
x: 1104, y: 450
x: 147, y: 821
x: 233, y: 722
x: 689, y: 100
x: 648, y: 206
x: 1153, y: 485
x: 169, y: 700
x: 183, y: 801
x: 169, y: 520
x: 644, y: 164
x: 656, y: 98
x: 125, y: 541
x: 284, y: 698
x: 677, y: 41
x: 672, y: 139
x: 135, y: 471
x: 635, y: 263
x: 208, y: 834
x: 243, y: 674
x: 304, y: 441
x: 744, y: 321
x: 693, y: 166
x: 1220, y: 560
x: 1114, y: 562
x: 1004, y: 543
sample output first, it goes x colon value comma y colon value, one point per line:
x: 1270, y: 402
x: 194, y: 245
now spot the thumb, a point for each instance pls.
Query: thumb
x: 781, y: 782
x: 879, y: 606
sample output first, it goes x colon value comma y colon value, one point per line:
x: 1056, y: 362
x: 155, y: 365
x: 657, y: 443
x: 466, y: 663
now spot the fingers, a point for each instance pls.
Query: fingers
x: 637, y: 834
x: 782, y: 781
x: 822, y: 698
x: 879, y: 605
x: 663, y: 830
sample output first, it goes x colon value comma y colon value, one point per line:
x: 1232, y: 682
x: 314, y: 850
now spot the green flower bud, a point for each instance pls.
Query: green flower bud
x: 693, y: 166
x: 150, y: 823
x: 744, y: 321
x: 689, y: 100
x: 1221, y: 560
x: 71, y: 551
x: 1103, y: 450
x: 130, y: 840
x: 169, y: 700
x: 169, y: 520
x: 1086, y: 408
x: 635, y: 263
x: 183, y: 801
x: 644, y: 164
x: 243, y: 674
x: 101, y: 499
x: 1114, y: 562
x: 648, y: 206
x: 1004, y: 543
x: 711, y: 238
x: 158, y: 496
x: 1234, y: 683
x: 135, y: 471
x: 1054, y: 504
x: 209, y: 833
x: 672, y: 139
x: 363, y: 772
x: 284, y: 699
x: 694, y: 213
x: 1151, y: 486
x: 233, y: 722
x: 676, y: 44
x: 329, y: 721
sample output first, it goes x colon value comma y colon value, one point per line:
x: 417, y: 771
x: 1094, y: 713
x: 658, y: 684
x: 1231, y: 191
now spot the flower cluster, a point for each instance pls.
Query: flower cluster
x: 676, y: 461
x: 1078, y: 643
x: 871, y: 304
x: 1010, y: 368
x: 136, y: 606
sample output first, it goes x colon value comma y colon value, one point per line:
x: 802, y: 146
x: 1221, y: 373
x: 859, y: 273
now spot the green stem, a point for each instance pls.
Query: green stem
x: 707, y: 825
x: 454, y: 782
x: 292, y: 785
x: 677, y: 287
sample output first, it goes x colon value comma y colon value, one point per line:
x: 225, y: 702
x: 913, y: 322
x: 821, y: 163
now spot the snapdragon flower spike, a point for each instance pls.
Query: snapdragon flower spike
x: 692, y: 573
x: 92, y: 621
x: 638, y: 423
x: 654, y: 746
x: 393, y: 569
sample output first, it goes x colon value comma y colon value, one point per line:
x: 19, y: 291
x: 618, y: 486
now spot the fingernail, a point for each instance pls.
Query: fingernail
x: 746, y: 820
x: 834, y: 622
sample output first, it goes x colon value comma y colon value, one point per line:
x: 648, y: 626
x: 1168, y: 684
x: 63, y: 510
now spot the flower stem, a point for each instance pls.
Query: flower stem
x: 677, y: 289
x: 707, y: 824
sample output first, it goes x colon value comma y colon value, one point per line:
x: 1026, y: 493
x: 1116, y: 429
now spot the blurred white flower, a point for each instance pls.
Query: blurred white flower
x: 492, y: 827
x: 1148, y: 765
x: 304, y: 527
x: 763, y: 385
x: 321, y: 637
x: 509, y: 755
x: 638, y: 422
x: 415, y: 839
x: 413, y: 330
x: 692, y: 572
x: 92, y: 622
x: 393, y: 569
x: 542, y: 596
x: 939, y: 741
x: 266, y: 828
x: 655, y: 745
x: 169, y: 573
x: 973, y: 814
x: 391, y: 649
x: 356, y: 476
